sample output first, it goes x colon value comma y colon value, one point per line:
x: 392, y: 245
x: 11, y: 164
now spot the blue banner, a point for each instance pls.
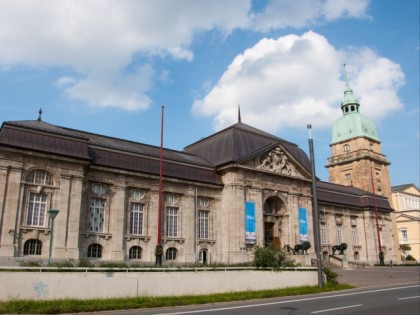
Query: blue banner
x: 250, y: 235
x: 303, y: 225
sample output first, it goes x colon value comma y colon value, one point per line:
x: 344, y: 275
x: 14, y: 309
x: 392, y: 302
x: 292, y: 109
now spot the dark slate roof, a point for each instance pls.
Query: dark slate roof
x: 350, y: 196
x: 106, y: 151
x: 239, y: 141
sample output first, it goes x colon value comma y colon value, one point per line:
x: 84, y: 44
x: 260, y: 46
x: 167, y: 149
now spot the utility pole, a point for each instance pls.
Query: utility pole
x: 315, y: 211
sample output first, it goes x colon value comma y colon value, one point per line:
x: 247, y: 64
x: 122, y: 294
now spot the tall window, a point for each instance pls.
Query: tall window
x: 134, y: 252
x: 36, y: 209
x: 354, y: 239
x: 171, y: 253
x: 94, y: 251
x: 323, y: 232
x: 32, y: 247
x: 171, y: 221
x: 404, y: 235
x: 136, y: 218
x: 339, y: 234
x: 203, y: 224
x: 96, y: 216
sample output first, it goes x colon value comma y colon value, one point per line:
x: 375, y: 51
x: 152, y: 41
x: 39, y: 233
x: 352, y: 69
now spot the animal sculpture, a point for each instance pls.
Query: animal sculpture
x: 342, y: 247
x: 301, y: 248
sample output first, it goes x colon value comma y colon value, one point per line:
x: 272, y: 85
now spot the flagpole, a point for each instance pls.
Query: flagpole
x: 381, y: 254
x: 159, y: 248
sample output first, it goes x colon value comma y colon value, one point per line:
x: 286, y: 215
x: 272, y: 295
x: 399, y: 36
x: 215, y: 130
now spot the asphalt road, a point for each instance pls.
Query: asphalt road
x: 380, y: 290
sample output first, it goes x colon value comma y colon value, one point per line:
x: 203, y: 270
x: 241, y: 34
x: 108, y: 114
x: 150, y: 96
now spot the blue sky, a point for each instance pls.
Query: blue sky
x: 107, y: 67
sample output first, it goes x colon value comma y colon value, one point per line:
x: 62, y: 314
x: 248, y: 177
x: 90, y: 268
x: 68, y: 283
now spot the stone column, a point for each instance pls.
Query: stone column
x: 10, y: 207
x: 118, y: 215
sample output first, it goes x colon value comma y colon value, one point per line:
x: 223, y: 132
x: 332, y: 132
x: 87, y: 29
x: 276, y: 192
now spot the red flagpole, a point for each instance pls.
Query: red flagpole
x: 376, y: 214
x: 159, y: 249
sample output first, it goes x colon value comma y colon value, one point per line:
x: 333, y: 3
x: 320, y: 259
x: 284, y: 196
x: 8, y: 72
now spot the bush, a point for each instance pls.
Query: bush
x: 331, y: 275
x: 85, y: 263
x: 265, y: 257
x: 113, y: 265
x: 268, y: 257
x: 63, y: 264
x: 31, y: 263
x: 410, y: 258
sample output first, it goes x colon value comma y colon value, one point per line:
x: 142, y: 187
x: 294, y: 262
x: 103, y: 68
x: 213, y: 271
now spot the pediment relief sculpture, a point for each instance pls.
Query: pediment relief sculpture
x: 276, y: 161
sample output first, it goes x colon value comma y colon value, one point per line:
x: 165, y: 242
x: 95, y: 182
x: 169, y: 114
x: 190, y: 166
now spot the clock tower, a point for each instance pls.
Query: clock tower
x: 356, y: 159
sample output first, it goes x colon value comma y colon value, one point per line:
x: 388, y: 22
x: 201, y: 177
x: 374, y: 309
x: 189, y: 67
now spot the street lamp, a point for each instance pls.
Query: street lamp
x: 315, y: 210
x: 52, y: 213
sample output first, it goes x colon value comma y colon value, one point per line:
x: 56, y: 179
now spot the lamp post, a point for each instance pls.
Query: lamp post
x: 52, y: 213
x: 315, y: 211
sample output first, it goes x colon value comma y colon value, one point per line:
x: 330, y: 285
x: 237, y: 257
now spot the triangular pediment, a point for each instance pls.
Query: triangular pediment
x: 277, y: 160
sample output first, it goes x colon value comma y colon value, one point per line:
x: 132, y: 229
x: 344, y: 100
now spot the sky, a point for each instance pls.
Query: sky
x: 107, y: 66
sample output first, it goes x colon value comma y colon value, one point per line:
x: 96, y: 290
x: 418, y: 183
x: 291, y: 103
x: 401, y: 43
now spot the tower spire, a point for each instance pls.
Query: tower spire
x: 349, y: 98
x: 239, y: 113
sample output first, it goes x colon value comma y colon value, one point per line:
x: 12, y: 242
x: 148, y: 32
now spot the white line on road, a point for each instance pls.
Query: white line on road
x: 287, y: 301
x: 410, y: 297
x: 337, y: 308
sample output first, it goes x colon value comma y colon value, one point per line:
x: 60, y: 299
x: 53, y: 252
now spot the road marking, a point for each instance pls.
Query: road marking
x: 283, y: 302
x: 337, y: 308
x: 410, y: 297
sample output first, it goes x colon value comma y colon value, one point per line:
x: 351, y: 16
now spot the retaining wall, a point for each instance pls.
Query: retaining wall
x: 86, y: 285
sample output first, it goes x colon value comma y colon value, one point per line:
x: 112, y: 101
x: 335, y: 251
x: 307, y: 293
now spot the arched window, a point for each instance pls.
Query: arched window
x: 346, y: 148
x: 40, y: 177
x: 32, y: 247
x: 135, y: 252
x: 37, y: 198
x: 171, y: 253
x: 94, y: 251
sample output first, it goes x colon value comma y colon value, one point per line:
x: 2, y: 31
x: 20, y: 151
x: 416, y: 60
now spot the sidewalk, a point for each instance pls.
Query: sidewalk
x: 377, y: 276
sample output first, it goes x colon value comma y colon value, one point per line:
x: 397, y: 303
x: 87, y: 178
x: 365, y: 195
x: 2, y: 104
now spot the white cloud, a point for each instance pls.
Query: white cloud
x: 301, y: 13
x: 97, y: 39
x: 295, y: 80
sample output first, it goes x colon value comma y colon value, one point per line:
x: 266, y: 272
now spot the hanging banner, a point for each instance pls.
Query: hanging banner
x: 250, y: 235
x: 303, y: 225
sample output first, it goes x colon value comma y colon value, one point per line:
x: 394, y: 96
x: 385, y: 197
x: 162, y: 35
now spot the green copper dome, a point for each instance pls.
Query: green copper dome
x: 352, y: 124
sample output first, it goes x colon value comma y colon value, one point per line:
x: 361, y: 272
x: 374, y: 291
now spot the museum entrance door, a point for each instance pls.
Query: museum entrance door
x: 274, y: 207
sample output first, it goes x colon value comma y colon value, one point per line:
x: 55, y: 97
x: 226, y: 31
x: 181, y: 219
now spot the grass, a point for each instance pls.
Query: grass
x: 95, y: 305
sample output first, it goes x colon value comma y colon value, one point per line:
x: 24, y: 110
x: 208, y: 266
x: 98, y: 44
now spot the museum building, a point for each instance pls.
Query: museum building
x: 222, y: 196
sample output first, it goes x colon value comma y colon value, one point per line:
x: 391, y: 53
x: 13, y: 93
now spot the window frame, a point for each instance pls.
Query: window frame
x: 339, y: 233
x: 136, y: 223
x: 171, y: 254
x: 354, y: 236
x: 36, y: 209
x: 94, y: 251
x: 404, y: 235
x: 98, y: 207
x: 203, y: 224
x: 32, y: 247
x: 135, y: 253
x: 323, y: 233
x: 172, y: 221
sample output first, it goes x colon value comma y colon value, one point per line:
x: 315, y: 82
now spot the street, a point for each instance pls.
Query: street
x: 379, y: 291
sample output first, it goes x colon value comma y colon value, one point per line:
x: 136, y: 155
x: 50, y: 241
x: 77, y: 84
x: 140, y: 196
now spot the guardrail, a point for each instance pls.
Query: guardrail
x: 146, y: 269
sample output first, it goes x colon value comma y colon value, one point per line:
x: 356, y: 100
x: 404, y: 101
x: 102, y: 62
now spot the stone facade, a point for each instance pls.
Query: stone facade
x: 107, y: 194
x: 406, y: 200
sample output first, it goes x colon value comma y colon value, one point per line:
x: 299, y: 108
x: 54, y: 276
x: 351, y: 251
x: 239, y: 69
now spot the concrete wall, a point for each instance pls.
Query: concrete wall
x: 86, y: 285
